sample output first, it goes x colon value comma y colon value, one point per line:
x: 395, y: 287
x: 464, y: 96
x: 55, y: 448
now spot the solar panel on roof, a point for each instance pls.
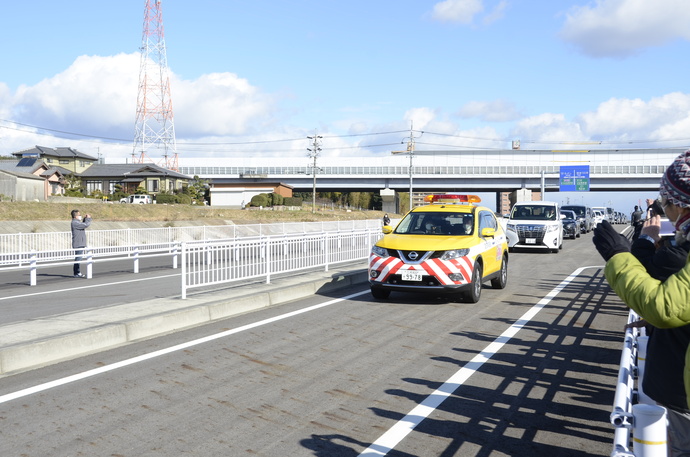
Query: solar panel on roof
x: 26, y: 162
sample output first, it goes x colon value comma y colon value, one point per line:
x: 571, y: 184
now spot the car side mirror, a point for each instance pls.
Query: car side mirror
x: 387, y: 229
x: 488, y: 232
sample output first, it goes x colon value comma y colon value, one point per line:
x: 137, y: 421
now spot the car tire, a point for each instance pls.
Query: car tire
x: 380, y: 294
x: 500, y: 281
x: 475, y: 291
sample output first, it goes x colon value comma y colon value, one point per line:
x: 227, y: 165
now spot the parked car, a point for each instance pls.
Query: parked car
x: 597, y: 217
x: 450, y: 246
x: 535, y: 225
x: 137, y: 199
x: 571, y: 225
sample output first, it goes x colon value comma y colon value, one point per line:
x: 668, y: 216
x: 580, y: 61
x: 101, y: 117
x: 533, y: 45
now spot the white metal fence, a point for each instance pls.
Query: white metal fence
x: 224, y: 261
x: 14, y: 246
x: 640, y: 425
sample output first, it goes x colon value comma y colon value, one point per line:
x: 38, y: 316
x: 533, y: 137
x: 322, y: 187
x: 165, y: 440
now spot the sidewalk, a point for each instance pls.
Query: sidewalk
x: 39, y: 342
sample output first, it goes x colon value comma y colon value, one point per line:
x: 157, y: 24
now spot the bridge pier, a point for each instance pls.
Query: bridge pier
x: 389, y: 200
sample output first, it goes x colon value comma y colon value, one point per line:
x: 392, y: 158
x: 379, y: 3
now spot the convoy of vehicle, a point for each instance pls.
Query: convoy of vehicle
x: 451, y: 245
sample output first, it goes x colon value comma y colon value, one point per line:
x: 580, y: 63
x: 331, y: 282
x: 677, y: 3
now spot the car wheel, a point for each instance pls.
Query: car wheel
x: 500, y: 281
x: 380, y: 294
x: 475, y: 291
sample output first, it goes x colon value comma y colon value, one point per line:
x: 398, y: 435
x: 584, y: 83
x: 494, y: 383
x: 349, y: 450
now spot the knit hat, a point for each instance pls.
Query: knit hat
x: 675, y: 184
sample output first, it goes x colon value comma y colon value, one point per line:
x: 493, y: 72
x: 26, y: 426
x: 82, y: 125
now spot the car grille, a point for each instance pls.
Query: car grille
x: 421, y: 255
x: 531, y: 231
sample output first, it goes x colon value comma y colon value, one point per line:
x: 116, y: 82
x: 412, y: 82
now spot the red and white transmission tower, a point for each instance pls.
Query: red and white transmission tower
x: 154, y: 125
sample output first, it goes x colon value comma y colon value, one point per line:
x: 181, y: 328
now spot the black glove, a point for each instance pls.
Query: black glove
x: 608, y: 241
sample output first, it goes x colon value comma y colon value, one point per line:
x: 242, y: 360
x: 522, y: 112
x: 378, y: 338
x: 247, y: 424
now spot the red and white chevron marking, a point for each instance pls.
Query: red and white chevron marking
x: 438, y: 268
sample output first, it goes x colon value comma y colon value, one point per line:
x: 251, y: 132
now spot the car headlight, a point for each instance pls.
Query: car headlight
x: 511, y: 227
x: 552, y: 228
x: 379, y: 251
x: 455, y: 254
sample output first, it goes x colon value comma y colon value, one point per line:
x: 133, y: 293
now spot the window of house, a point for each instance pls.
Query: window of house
x: 112, y: 184
x: 92, y: 186
x: 152, y: 185
x: 64, y: 162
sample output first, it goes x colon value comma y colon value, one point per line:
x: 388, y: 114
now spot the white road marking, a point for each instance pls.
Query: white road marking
x: 404, y: 426
x: 96, y: 371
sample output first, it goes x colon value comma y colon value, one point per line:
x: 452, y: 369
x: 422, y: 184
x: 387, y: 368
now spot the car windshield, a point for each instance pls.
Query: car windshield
x: 534, y: 212
x: 428, y: 223
x: 568, y: 214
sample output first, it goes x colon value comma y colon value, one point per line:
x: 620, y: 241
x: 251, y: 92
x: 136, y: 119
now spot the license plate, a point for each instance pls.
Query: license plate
x: 411, y: 275
x: 530, y: 241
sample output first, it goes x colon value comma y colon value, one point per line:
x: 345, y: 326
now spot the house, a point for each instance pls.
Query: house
x: 68, y: 159
x: 152, y: 178
x: 45, y: 180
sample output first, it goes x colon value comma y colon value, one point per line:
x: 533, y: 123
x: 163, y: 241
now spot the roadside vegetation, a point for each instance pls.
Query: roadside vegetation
x: 52, y: 211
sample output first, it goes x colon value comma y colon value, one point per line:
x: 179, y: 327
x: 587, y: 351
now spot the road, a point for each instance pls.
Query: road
x: 530, y: 370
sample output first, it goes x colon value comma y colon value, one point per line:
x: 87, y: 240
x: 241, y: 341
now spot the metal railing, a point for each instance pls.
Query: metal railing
x: 13, y: 245
x: 224, y: 261
x: 640, y: 425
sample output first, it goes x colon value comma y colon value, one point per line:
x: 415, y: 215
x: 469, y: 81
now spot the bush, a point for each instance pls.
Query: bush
x: 260, y: 200
x: 292, y: 201
x: 167, y: 198
x: 276, y: 199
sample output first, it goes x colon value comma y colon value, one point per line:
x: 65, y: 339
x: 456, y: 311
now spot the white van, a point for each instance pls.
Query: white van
x: 535, y: 225
x: 138, y: 198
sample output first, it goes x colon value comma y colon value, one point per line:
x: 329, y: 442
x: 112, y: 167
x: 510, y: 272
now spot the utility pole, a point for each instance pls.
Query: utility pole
x: 410, y: 152
x: 314, y: 154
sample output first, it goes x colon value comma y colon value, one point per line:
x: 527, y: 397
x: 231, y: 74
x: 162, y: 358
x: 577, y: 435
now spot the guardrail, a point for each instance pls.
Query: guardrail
x: 224, y: 261
x: 640, y: 425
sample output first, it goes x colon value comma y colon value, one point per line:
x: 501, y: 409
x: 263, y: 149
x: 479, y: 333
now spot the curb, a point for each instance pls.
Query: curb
x: 38, y: 343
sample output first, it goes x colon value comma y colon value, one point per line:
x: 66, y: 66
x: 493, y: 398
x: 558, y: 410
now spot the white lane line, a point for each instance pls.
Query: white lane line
x: 404, y: 426
x: 54, y: 291
x: 96, y: 371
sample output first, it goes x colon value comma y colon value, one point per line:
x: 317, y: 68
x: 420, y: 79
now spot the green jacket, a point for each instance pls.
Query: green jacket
x: 664, y: 305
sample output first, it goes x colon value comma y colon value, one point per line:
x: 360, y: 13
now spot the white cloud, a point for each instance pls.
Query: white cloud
x: 419, y: 117
x: 465, y: 11
x: 548, y: 128
x: 660, y: 118
x: 457, y: 11
x: 491, y: 111
x: 619, y: 28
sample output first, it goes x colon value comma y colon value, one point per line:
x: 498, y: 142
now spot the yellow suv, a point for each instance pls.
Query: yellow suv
x: 448, y: 246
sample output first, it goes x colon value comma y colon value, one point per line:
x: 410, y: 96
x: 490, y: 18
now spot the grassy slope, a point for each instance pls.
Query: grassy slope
x: 39, y: 211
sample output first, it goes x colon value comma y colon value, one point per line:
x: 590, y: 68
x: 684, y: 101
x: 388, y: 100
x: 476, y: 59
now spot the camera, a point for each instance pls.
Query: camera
x: 656, y: 209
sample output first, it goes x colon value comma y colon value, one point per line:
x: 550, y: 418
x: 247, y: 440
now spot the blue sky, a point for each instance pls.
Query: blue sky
x: 469, y: 73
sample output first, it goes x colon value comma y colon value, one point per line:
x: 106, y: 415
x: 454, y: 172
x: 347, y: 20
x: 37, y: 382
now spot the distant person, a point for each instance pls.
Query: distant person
x: 79, y: 239
x: 636, y: 222
x: 386, y: 219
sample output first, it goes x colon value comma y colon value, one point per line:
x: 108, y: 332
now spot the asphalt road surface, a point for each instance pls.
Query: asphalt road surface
x: 528, y: 371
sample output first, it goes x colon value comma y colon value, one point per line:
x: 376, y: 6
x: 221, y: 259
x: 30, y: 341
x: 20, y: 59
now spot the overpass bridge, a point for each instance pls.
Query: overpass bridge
x: 495, y: 170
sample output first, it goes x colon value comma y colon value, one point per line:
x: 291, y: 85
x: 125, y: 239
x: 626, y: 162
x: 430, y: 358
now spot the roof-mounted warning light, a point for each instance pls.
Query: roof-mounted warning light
x: 457, y: 199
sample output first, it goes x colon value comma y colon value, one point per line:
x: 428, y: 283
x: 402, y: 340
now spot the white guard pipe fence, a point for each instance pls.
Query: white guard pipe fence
x: 640, y: 424
x: 12, y: 245
x: 223, y: 261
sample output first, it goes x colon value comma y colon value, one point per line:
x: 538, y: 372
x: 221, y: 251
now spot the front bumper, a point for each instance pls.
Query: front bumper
x: 533, y: 237
x: 429, y: 275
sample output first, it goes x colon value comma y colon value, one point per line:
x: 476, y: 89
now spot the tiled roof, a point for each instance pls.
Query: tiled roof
x: 129, y: 170
x: 62, y: 152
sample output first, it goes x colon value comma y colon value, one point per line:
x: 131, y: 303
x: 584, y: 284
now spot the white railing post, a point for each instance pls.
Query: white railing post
x: 32, y: 266
x: 641, y: 358
x: 267, y: 256
x: 135, y: 254
x: 175, y: 254
x: 89, y: 263
x: 326, y: 251
x: 649, y: 431
x: 183, y: 281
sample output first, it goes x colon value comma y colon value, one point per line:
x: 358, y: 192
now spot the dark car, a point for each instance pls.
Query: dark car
x: 571, y: 224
